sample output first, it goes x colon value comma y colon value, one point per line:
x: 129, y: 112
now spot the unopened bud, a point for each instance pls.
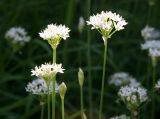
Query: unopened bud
x: 80, y: 77
x: 81, y: 24
x: 62, y: 89
x: 84, y: 116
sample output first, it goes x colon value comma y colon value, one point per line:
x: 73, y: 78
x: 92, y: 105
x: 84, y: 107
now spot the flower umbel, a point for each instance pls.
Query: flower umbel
x: 107, y: 23
x: 54, y: 33
x: 17, y: 36
x: 39, y: 87
x: 123, y: 78
x: 132, y: 96
x: 47, y: 71
x: 149, y: 33
x: 153, y: 46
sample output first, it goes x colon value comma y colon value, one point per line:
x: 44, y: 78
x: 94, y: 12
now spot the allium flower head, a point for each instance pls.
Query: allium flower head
x: 122, y: 78
x: 39, y: 87
x: 149, y: 33
x: 17, y: 36
x: 107, y: 23
x: 153, y: 46
x: 47, y: 71
x: 123, y: 116
x: 54, y: 33
x: 132, y: 96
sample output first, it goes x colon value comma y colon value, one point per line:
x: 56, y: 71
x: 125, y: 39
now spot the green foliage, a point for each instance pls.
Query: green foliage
x: 124, y: 53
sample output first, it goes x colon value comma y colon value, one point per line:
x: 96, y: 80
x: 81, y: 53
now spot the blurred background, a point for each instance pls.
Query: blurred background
x: 124, y: 53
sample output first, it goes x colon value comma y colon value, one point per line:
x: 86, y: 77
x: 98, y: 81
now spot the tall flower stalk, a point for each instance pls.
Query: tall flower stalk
x: 53, y: 92
x: 54, y: 34
x: 107, y: 23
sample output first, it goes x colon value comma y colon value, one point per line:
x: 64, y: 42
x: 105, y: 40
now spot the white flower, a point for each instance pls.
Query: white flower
x: 54, y: 31
x: 81, y: 24
x: 153, y: 46
x: 17, y: 35
x: 157, y: 86
x: 123, y: 116
x: 39, y: 87
x: 132, y: 96
x: 122, y: 78
x: 149, y: 33
x: 47, y: 71
x: 107, y: 22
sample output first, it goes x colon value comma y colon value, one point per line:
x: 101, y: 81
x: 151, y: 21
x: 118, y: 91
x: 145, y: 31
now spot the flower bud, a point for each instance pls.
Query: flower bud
x: 81, y: 24
x: 80, y: 77
x: 84, y: 116
x: 62, y: 89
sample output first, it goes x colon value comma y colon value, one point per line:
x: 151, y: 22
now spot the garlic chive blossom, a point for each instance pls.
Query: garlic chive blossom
x: 107, y: 23
x: 47, y: 71
x: 132, y: 96
x: 153, y: 46
x: 54, y: 33
x: 39, y: 87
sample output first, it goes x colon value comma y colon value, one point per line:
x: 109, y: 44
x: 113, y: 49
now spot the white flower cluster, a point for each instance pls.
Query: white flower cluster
x: 123, y: 116
x: 132, y: 96
x: 157, y: 86
x: 47, y: 71
x: 153, y: 46
x: 149, y: 33
x: 106, y: 21
x: 54, y: 31
x: 123, y: 78
x: 39, y: 87
x: 17, y: 35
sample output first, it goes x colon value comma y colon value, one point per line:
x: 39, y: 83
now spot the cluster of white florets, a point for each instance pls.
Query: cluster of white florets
x: 132, y: 96
x: 149, y: 33
x: 123, y: 78
x: 47, y: 71
x: 17, y: 35
x: 39, y: 87
x: 153, y: 46
x: 106, y: 22
x: 123, y: 116
x: 54, y: 31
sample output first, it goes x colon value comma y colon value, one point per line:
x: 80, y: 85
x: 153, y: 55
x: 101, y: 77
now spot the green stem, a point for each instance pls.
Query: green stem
x: 42, y: 111
x: 89, y: 61
x: 62, y: 101
x: 153, y: 83
x: 81, y: 95
x: 48, y: 102
x: 53, y: 89
x: 103, y: 79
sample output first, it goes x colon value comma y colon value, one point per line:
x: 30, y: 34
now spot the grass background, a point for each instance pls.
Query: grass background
x: 124, y: 53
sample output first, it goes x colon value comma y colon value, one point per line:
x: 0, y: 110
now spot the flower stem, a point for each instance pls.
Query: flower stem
x: 103, y: 79
x: 62, y: 101
x: 53, y: 89
x: 153, y: 83
x: 48, y: 102
x: 42, y: 111
x: 89, y: 61
x: 81, y: 95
